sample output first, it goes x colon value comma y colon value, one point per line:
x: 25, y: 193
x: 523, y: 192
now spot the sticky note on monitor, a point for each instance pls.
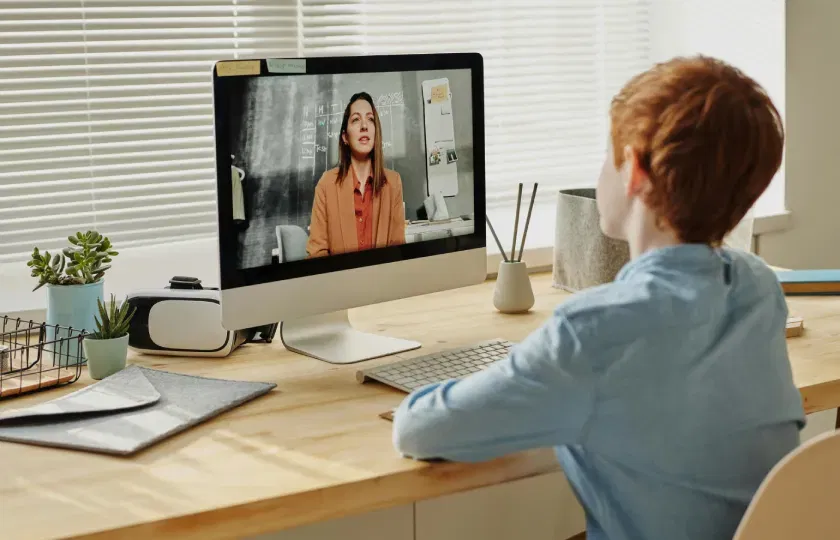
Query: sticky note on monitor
x: 440, y: 93
x: 286, y: 65
x: 233, y: 68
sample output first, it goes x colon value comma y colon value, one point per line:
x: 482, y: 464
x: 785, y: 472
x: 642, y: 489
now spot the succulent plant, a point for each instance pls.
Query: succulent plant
x: 85, y: 261
x: 113, y: 321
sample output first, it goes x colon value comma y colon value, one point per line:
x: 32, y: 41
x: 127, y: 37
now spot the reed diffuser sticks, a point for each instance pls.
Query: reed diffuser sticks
x: 513, y: 257
x: 516, y: 222
x: 527, y: 220
x: 501, y: 249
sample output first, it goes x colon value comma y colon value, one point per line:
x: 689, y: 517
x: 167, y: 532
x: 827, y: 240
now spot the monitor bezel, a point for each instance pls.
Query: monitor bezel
x: 232, y: 277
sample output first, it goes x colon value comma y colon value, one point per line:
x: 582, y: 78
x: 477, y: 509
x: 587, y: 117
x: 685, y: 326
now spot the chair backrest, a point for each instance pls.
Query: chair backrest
x: 291, y: 240
x: 799, y: 496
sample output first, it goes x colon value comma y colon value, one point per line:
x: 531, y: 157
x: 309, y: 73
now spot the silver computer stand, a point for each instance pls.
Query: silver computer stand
x: 333, y: 339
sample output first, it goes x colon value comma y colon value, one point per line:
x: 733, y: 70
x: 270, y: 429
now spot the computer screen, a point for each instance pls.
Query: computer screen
x: 330, y: 164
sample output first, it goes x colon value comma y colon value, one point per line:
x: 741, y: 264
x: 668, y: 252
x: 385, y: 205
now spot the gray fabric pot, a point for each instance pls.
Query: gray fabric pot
x: 583, y: 256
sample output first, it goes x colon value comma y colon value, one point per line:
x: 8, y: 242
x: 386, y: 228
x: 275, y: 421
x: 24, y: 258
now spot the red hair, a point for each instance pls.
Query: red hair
x: 709, y: 138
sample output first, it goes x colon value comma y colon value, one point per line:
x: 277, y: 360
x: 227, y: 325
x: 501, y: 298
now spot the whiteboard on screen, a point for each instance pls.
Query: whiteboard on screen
x: 441, y: 156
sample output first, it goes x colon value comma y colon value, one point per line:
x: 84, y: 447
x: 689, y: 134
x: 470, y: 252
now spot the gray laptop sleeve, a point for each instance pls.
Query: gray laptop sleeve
x: 126, y: 412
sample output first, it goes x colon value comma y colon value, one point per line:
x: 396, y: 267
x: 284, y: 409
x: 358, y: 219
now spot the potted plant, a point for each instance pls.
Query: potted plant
x: 74, y: 281
x: 106, y: 349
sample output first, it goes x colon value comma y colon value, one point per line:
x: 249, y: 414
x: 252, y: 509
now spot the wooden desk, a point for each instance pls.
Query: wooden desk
x: 815, y: 357
x: 314, y: 449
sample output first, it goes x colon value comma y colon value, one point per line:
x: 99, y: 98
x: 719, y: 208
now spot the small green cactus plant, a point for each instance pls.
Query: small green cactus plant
x: 113, y: 321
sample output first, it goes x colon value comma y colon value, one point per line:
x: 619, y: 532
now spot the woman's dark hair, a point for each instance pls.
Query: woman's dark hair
x: 344, y: 151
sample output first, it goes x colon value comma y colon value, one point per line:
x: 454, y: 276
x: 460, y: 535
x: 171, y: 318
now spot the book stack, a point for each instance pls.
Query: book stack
x: 809, y: 282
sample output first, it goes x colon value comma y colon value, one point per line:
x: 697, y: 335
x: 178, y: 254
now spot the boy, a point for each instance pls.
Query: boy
x: 666, y: 394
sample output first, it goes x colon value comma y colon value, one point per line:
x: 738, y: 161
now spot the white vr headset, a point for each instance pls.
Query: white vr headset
x: 185, y: 319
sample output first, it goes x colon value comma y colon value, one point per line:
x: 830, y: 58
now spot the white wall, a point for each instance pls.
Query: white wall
x: 813, y: 146
x: 748, y: 34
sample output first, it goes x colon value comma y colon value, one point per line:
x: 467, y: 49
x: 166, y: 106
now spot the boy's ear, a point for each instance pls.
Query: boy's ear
x: 636, y: 181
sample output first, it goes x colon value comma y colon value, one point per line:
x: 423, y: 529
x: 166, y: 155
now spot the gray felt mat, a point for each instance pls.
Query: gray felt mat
x: 126, y: 412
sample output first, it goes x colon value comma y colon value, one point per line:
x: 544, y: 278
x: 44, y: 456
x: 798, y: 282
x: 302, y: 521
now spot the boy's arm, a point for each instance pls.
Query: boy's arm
x: 541, y: 395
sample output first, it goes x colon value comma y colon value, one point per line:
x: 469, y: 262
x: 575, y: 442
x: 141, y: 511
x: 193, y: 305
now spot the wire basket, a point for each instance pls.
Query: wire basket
x: 37, y: 356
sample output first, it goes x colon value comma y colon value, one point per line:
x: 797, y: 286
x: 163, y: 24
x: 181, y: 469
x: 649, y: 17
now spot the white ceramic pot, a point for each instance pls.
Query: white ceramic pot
x: 513, y: 293
x: 105, y: 356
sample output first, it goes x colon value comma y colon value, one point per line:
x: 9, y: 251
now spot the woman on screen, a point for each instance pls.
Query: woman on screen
x: 359, y: 204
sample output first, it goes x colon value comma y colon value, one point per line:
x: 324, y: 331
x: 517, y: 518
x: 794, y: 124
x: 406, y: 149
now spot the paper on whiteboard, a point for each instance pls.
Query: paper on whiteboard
x: 440, y: 93
x: 441, y: 155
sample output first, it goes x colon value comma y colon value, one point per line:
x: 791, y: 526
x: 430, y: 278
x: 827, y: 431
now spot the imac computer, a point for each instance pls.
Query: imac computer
x: 344, y: 182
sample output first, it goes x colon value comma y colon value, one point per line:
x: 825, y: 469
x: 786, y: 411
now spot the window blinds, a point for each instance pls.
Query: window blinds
x: 106, y: 113
x: 551, y: 68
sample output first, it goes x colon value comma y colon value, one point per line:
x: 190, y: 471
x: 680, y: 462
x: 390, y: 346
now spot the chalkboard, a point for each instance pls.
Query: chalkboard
x: 284, y: 134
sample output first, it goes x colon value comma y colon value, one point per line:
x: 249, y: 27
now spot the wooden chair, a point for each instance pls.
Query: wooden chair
x: 799, y: 496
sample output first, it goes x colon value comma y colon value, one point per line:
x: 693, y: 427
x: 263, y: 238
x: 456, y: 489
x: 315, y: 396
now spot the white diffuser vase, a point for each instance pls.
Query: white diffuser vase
x: 513, y: 293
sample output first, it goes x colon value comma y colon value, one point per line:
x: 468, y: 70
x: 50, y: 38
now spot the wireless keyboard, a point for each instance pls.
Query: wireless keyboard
x: 412, y: 373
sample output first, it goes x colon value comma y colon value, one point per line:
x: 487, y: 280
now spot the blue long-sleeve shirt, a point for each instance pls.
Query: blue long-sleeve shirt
x: 667, y: 396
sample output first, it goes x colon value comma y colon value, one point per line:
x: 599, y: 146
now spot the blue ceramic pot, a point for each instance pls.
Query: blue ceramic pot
x: 73, y: 306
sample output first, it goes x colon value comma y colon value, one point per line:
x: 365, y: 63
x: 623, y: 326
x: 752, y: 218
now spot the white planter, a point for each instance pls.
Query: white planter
x: 105, y: 356
x: 513, y: 292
